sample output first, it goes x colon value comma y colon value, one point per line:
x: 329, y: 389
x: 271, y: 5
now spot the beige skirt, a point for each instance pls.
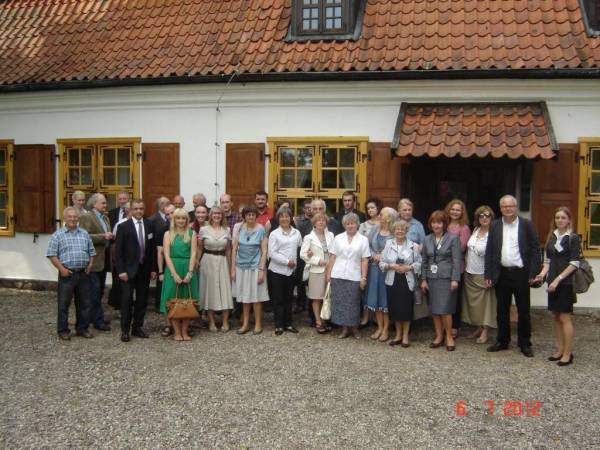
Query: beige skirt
x: 478, y: 302
x: 316, y: 286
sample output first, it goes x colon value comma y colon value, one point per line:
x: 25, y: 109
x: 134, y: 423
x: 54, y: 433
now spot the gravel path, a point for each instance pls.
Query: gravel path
x: 294, y: 391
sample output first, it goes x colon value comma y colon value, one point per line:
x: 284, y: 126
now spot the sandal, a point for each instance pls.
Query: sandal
x: 167, y: 331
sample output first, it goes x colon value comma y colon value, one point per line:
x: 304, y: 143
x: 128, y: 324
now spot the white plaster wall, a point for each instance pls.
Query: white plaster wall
x: 251, y: 113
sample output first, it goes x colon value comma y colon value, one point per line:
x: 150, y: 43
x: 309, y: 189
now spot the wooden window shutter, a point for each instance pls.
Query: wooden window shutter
x: 34, y: 200
x: 160, y: 173
x: 384, y: 174
x: 244, y: 172
x: 555, y: 183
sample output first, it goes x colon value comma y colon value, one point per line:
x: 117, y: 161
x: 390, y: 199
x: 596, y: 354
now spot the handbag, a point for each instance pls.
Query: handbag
x: 326, y: 308
x: 306, y: 273
x: 182, y: 308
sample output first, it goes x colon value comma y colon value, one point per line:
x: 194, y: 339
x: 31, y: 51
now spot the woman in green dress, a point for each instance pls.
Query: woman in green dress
x: 181, y: 280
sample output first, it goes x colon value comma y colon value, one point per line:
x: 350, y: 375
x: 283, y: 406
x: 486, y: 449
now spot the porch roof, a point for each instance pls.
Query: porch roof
x: 474, y: 129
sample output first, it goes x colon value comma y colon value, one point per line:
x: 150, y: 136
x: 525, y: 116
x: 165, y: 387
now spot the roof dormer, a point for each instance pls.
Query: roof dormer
x: 326, y: 20
x: 590, y: 10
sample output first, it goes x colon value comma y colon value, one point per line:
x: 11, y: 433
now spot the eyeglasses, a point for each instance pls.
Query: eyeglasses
x: 485, y: 215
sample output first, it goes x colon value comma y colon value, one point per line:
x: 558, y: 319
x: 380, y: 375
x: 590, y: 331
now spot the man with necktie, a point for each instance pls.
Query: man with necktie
x: 135, y: 258
x: 119, y: 213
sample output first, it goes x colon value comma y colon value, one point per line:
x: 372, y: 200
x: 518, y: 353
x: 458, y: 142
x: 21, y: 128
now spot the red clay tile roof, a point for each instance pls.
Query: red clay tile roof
x: 475, y: 129
x: 70, y: 40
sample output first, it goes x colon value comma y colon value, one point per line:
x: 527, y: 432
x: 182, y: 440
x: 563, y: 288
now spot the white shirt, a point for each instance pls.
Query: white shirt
x: 348, y: 256
x: 283, y: 248
x: 476, y: 253
x: 510, y: 256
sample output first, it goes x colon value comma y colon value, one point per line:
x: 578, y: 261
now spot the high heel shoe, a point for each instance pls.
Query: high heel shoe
x: 566, y: 363
x: 555, y: 358
x: 436, y: 344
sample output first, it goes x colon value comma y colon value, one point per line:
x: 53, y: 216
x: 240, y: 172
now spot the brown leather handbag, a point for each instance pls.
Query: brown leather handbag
x: 182, y: 308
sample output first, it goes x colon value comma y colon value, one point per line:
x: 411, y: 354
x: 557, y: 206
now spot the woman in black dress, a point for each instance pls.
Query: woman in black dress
x: 401, y: 260
x: 563, y: 250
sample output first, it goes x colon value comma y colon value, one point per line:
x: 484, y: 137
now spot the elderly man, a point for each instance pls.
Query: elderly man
x: 231, y: 216
x: 97, y: 225
x: 71, y: 251
x: 179, y: 201
x: 197, y: 200
x: 512, y: 261
x: 318, y: 206
x: 119, y: 213
x: 78, y: 201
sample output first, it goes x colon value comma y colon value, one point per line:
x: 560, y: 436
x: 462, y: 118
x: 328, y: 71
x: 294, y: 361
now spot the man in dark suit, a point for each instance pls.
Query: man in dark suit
x: 512, y: 261
x: 135, y: 259
x: 120, y: 212
x: 349, y: 202
x: 160, y: 221
x: 197, y: 200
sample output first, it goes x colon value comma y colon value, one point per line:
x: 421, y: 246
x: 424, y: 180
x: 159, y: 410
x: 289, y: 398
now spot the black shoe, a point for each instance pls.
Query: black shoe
x: 497, y: 347
x: 125, y: 337
x: 139, y: 333
x: 436, y: 344
x: 555, y: 358
x: 103, y: 327
x: 66, y: 336
x: 291, y: 329
x: 85, y: 334
x: 562, y: 364
x: 526, y: 350
x: 278, y: 331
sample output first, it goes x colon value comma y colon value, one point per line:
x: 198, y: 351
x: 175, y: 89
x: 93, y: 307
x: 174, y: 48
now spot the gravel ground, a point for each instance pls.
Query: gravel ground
x: 293, y: 391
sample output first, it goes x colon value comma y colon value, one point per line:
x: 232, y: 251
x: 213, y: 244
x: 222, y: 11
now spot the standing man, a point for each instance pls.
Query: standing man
x: 512, y: 261
x: 72, y: 252
x: 160, y: 221
x: 264, y: 212
x: 179, y: 201
x: 197, y: 200
x: 97, y: 225
x: 304, y: 226
x: 136, y: 265
x: 120, y: 212
x: 349, y: 201
x: 159, y: 218
x: 231, y: 216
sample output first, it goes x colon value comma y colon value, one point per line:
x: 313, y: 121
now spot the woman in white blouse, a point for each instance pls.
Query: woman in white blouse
x: 283, y: 248
x: 401, y: 260
x: 315, y: 252
x: 347, y: 273
x: 478, y: 301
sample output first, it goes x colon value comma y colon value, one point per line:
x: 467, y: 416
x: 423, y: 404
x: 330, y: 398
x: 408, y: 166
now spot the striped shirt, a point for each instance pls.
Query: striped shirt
x: 73, y: 248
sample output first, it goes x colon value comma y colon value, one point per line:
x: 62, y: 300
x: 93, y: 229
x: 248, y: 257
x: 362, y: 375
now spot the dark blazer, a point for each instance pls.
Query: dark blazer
x: 127, y: 249
x: 113, y: 217
x: 529, y: 247
x: 157, y: 221
x: 447, y: 257
x: 340, y: 215
x: 560, y: 260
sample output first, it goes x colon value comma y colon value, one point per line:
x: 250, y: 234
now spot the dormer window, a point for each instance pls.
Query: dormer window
x: 591, y: 16
x: 326, y: 19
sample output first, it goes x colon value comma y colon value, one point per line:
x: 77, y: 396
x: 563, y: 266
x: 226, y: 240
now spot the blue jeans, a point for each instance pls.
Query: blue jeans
x: 77, y: 284
x: 98, y: 280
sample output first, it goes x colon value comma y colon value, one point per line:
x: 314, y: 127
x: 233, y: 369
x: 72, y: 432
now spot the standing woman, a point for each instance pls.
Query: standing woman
x: 563, y: 255
x: 248, y: 255
x: 347, y: 273
x: 440, y: 271
x: 284, y: 242
x: 416, y: 232
x: 401, y: 259
x: 214, y: 253
x: 317, y: 244
x: 456, y: 211
x: 373, y: 208
x: 376, y: 290
x: 179, y: 246
x: 478, y: 300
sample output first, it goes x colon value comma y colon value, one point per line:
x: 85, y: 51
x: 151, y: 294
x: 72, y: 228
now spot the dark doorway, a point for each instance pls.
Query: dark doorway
x: 432, y: 182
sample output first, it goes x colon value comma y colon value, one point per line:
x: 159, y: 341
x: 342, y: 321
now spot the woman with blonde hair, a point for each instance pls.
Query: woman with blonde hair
x: 180, y: 280
x: 214, y: 256
x: 478, y: 300
x: 563, y: 256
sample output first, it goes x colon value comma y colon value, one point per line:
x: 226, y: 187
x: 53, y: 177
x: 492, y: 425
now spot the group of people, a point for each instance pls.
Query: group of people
x: 373, y: 266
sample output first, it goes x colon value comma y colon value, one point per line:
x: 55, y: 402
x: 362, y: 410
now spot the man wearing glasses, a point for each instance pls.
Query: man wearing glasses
x: 512, y: 261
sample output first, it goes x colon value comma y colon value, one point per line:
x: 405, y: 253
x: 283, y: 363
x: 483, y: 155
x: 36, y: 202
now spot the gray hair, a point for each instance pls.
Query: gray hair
x: 69, y: 209
x: 76, y: 194
x: 405, y: 201
x: 350, y: 217
x: 283, y: 210
x: 391, y: 211
x: 320, y: 201
x: 200, y: 195
x: 509, y: 197
x: 400, y: 223
x: 93, y: 199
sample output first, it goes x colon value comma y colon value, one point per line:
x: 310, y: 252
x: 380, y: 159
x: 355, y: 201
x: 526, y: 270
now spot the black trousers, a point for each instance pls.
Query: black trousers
x: 513, y: 282
x: 134, y: 308
x: 282, y: 291
x: 456, y: 322
x: 300, y: 285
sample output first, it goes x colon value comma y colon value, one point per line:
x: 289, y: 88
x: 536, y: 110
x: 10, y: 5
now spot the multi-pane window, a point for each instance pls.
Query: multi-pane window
x: 589, y: 207
x: 102, y: 165
x: 323, y: 16
x: 6, y: 222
